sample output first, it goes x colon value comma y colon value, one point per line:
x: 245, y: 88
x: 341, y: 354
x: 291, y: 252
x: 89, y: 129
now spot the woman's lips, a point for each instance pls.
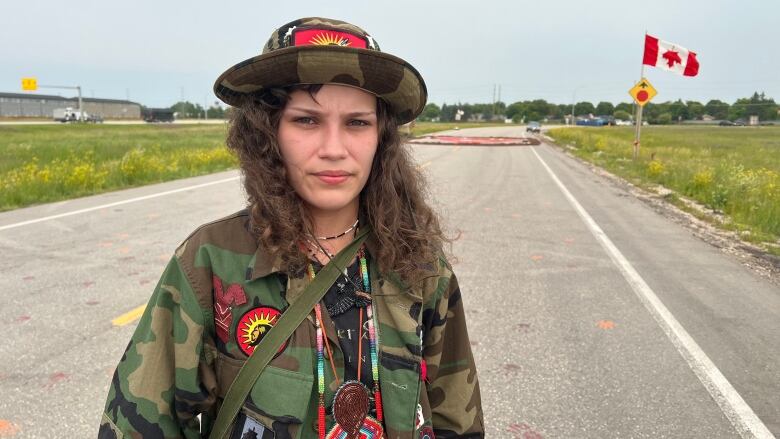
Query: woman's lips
x: 332, y: 179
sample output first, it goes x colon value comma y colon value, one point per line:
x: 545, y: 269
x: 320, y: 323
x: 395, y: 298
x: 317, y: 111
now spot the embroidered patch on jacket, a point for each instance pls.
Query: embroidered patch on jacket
x: 427, y: 433
x: 254, y: 325
x: 224, y: 299
x: 327, y: 37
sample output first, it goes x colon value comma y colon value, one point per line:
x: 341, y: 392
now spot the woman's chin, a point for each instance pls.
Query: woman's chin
x: 331, y: 204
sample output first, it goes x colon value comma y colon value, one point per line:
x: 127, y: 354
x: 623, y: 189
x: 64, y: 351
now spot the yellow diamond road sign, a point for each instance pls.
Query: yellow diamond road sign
x: 29, y: 84
x: 642, y: 92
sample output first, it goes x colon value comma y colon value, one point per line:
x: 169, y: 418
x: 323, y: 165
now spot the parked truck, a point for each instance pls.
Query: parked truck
x: 153, y: 115
x: 70, y: 115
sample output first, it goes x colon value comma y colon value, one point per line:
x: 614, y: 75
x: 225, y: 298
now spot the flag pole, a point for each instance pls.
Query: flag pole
x: 638, y: 118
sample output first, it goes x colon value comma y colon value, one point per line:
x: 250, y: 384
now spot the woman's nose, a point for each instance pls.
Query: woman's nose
x: 333, y: 142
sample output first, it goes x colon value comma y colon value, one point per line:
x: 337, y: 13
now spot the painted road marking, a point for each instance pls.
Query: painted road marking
x: 129, y: 316
x: 731, y: 403
x: 118, y: 203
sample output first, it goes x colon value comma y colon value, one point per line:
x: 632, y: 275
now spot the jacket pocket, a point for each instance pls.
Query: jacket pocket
x: 282, y: 394
x: 279, y: 399
x: 400, y: 383
x: 226, y: 368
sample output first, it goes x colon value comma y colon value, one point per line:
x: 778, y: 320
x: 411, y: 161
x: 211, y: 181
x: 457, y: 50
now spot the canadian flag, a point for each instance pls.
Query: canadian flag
x: 670, y: 56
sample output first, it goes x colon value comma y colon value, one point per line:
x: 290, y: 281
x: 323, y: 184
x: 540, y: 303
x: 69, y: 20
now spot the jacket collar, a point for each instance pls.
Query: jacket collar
x: 264, y: 262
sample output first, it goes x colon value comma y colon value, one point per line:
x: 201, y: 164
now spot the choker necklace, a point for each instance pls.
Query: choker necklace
x: 325, y: 238
x: 352, y: 400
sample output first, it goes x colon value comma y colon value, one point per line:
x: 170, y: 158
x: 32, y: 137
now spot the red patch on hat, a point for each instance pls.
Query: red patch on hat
x: 327, y: 37
x: 254, y: 325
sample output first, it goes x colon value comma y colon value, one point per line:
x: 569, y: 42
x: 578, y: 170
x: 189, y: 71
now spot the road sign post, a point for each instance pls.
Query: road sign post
x: 642, y: 93
x: 31, y: 84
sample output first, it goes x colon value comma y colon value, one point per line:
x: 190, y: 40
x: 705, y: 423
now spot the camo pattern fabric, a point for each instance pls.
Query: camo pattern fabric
x: 217, y: 297
x: 320, y: 51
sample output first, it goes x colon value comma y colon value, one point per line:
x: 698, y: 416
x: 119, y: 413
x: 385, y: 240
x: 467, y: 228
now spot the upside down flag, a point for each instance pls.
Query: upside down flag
x: 670, y: 56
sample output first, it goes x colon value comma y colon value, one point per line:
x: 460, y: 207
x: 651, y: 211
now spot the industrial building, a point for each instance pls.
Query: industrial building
x: 43, y: 106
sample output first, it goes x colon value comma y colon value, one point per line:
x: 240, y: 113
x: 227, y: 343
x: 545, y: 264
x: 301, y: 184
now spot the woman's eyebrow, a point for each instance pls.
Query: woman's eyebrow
x: 316, y: 112
x: 305, y: 110
x: 361, y: 113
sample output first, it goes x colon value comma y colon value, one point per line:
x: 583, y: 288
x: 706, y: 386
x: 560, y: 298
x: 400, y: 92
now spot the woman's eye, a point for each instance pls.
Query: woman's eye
x: 304, y: 120
x: 358, y: 122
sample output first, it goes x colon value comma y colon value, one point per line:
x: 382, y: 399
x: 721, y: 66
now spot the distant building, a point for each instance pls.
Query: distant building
x: 43, y: 106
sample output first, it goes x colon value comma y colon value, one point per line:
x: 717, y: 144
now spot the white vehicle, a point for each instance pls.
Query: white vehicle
x: 66, y: 114
x: 70, y: 115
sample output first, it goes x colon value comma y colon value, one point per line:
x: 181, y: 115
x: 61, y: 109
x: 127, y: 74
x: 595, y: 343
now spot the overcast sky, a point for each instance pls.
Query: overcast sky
x: 156, y: 52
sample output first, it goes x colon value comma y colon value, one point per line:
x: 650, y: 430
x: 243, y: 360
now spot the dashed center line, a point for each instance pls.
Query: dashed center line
x: 129, y: 316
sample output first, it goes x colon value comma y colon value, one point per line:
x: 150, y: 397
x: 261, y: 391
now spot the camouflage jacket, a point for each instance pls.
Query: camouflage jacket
x: 220, y: 292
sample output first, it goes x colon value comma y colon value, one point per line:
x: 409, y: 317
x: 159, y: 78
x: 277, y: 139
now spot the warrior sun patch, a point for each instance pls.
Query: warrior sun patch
x: 253, y: 326
x: 327, y: 37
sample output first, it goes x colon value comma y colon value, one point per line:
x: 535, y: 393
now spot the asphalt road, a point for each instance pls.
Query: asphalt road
x: 590, y: 315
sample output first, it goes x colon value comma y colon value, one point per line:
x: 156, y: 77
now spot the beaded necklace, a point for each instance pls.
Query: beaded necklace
x: 351, y: 402
x: 325, y: 238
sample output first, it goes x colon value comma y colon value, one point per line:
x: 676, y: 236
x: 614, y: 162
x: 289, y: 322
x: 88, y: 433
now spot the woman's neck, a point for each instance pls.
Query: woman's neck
x: 333, y: 223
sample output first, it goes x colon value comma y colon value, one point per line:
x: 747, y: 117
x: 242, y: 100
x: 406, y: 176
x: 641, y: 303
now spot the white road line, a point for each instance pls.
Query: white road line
x: 118, y: 203
x: 731, y: 403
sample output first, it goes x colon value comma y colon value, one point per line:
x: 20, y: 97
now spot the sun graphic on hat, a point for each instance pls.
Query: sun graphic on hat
x: 329, y: 39
x: 254, y: 325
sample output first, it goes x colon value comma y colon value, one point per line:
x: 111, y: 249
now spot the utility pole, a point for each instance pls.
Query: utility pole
x: 499, y: 95
x: 494, y: 99
x: 573, y: 100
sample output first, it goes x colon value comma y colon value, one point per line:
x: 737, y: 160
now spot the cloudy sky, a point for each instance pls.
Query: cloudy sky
x: 158, y: 52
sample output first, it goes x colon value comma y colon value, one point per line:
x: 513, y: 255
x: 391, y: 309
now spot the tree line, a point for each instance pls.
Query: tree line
x: 188, y: 110
x: 524, y: 111
x: 656, y: 113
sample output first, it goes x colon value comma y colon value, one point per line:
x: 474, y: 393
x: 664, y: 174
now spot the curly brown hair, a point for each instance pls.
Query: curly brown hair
x: 393, y: 201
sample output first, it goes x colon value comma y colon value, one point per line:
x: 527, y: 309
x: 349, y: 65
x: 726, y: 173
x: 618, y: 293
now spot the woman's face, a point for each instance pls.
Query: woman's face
x: 328, y: 145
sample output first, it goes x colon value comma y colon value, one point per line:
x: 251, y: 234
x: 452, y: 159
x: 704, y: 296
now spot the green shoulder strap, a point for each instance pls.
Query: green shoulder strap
x: 290, y: 319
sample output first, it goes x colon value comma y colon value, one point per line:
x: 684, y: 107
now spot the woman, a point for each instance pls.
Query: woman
x: 315, y: 130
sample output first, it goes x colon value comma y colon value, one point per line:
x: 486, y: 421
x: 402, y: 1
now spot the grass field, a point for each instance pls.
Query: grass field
x: 734, y: 170
x: 54, y: 162
x: 45, y: 163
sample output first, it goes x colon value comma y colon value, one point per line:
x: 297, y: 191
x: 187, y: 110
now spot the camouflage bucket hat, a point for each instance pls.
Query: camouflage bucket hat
x: 324, y: 51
